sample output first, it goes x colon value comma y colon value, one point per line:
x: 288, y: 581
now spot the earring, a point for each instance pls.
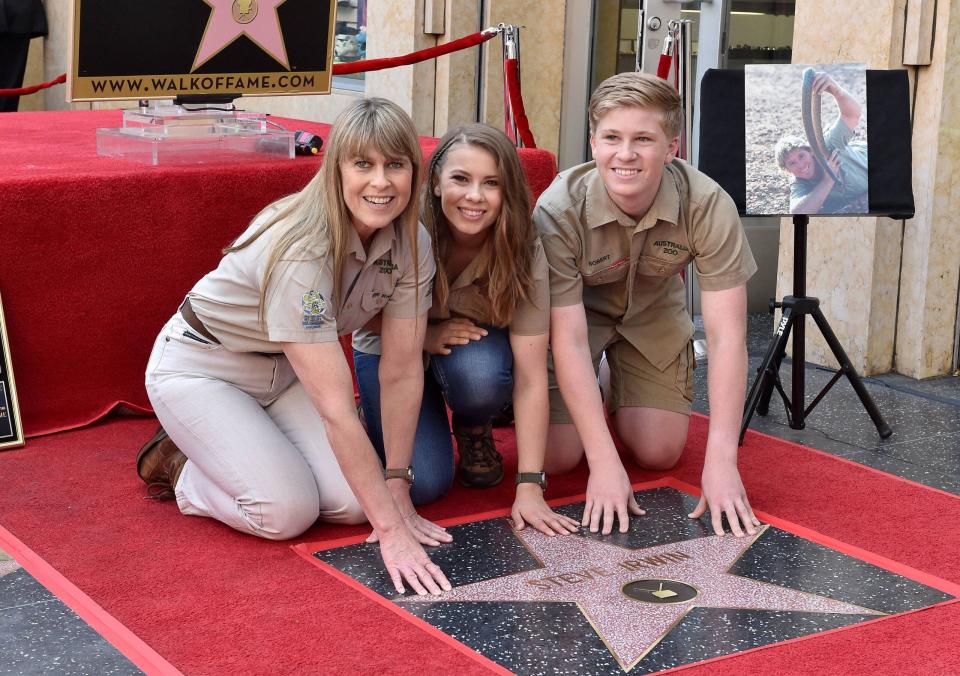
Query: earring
x: 436, y: 190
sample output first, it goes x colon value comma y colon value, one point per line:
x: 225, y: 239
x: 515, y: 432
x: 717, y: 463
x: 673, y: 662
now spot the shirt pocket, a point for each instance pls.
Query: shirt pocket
x: 612, y: 273
x: 648, y: 266
x: 373, y: 301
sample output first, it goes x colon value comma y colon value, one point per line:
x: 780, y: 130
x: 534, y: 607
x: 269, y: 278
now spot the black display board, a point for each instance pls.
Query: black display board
x: 723, y: 149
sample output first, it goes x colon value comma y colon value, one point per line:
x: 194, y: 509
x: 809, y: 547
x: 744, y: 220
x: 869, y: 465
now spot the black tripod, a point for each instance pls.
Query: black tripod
x: 794, y: 311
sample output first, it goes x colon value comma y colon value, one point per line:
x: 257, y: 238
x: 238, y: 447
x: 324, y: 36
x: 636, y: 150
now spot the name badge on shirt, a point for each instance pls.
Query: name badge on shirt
x: 314, y: 309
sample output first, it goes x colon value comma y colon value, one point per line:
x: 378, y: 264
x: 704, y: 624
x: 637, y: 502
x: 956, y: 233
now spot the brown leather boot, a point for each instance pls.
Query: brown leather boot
x: 481, y: 465
x: 159, y: 464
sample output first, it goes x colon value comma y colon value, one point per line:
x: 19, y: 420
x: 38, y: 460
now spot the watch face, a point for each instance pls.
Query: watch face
x: 410, y: 474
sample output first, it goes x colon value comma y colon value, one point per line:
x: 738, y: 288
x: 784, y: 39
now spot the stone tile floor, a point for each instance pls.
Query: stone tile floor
x: 924, y: 416
x: 40, y: 634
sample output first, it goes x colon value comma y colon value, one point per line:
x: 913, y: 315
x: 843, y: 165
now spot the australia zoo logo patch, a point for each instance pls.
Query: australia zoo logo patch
x: 314, y: 307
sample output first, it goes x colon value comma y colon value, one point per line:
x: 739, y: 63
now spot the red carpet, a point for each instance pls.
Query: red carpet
x: 212, y: 601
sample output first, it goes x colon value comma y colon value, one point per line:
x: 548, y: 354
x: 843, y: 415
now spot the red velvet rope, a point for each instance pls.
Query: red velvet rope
x: 338, y: 68
x: 23, y: 91
x: 415, y: 57
x: 516, y: 103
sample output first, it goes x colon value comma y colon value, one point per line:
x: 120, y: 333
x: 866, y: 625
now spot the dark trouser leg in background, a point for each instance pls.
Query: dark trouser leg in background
x: 13, y: 64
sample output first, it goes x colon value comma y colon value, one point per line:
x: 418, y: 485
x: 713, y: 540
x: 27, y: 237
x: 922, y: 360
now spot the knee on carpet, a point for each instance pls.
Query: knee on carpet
x: 562, y: 458
x: 431, y: 488
x: 564, y: 450
x: 346, y: 511
x: 352, y: 515
x: 657, y: 455
x: 282, y: 519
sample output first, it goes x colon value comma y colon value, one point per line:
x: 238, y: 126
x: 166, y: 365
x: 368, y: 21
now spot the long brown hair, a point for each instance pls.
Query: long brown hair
x: 319, y: 213
x: 509, y: 274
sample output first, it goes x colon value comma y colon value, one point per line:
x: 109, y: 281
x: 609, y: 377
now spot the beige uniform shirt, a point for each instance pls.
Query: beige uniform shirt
x: 299, y: 305
x: 627, y: 272
x: 469, y: 297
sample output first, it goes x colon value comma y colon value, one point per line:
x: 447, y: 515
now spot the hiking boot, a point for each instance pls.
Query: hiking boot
x: 504, y: 418
x: 159, y: 464
x: 481, y: 466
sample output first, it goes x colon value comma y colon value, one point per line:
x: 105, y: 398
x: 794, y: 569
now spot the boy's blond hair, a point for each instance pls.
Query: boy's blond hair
x: 638, y: 90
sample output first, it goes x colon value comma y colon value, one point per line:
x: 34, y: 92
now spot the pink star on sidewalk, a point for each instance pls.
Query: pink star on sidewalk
x: 592, y: 574
x: 229, y: 19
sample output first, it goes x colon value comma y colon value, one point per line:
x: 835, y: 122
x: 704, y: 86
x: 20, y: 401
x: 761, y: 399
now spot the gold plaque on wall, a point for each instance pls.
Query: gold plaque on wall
x: 11, y: 431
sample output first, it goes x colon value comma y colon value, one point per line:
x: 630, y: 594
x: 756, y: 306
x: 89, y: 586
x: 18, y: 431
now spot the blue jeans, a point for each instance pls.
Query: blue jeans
x: 476, y: 380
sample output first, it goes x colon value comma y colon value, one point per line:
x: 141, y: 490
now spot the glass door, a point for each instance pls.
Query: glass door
x: 732, y: 34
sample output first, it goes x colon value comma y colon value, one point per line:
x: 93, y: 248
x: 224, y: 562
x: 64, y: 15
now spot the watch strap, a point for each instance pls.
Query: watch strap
x: 399, y: 473
x: 539, y: 478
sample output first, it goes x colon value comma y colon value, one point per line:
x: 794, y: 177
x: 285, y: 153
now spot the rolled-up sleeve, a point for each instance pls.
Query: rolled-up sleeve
x: 532, y: 316
x: 413, y: 294
x: 563, y: 250
x: 722, y: 254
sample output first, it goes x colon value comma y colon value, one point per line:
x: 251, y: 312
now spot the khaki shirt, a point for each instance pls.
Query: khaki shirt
x: 626, y: 272
x: 299, y: 305
x: 469, y: 297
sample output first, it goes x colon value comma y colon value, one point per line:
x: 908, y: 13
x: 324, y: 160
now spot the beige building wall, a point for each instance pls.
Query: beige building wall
x: 55, y: 52
x: 456, y: 76
x: 33, y: 75
x: 541, y: 65
x: 888, y: 313
x: 931, y: 244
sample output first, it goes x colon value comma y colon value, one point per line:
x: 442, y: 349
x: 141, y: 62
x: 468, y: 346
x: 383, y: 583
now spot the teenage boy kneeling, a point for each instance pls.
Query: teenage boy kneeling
x: 617, y: 232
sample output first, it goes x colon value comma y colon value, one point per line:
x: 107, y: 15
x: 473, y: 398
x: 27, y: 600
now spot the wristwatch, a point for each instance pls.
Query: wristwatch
x: 539, y: 478
x: 399, y: 473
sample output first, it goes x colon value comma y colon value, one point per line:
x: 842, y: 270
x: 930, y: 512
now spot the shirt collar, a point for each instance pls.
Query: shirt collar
x: 474, y: 268
x: 666, y: 205
x: 382, y: 242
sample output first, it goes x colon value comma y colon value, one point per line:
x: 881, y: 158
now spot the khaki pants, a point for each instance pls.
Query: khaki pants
x: 258, y: 455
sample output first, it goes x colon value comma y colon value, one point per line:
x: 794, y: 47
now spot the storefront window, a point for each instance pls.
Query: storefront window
x: 615, y: 39
x: 760, y: 32
x: 350, y: 41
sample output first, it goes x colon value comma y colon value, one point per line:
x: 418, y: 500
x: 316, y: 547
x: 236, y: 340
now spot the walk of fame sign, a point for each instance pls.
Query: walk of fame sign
x: 665, y: 594
x: 167, y: 48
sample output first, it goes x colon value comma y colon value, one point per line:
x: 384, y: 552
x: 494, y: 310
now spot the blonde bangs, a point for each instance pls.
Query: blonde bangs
x: 318, y: 213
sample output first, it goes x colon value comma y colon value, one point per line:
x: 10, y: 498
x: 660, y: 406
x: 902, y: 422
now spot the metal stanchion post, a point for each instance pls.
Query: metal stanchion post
x: 684, y: 66
x: 685, y: 80
x: 510, y: 36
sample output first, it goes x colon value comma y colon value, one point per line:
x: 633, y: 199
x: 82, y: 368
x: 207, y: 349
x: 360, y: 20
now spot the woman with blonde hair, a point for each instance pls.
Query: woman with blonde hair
x: 488, y: 331
x: 249, y: 379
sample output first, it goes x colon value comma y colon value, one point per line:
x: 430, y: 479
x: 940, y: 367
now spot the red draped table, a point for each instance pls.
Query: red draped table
x: 98, y: 252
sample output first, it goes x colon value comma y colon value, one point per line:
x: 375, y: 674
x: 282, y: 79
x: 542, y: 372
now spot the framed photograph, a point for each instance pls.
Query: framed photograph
x: 806, y: 139
x: 11, y: 432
